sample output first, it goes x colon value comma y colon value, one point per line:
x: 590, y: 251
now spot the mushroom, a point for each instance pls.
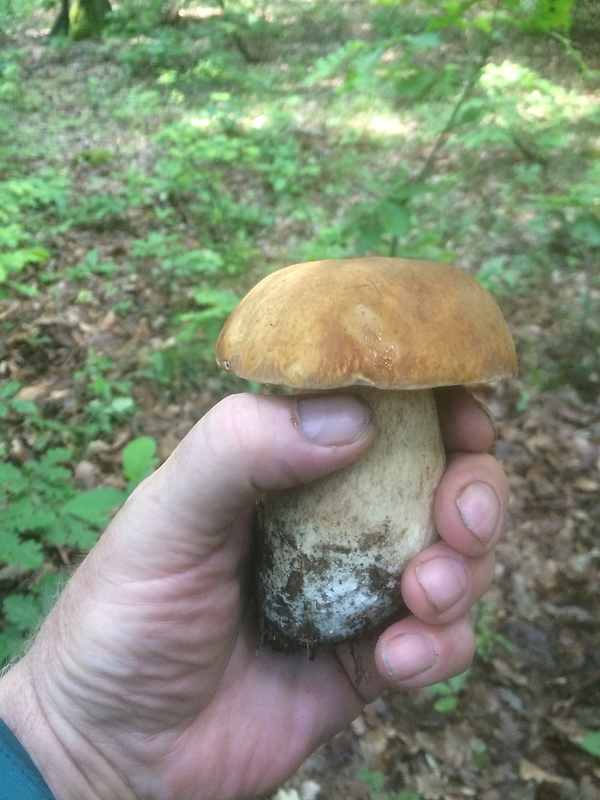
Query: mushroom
x: 331, y: 553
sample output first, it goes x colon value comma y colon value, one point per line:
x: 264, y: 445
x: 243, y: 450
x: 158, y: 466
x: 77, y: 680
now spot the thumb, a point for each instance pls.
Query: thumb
x: 245, y: 445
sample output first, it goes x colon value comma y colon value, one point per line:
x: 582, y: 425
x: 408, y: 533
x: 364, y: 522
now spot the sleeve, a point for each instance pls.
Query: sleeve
x: 19, y: 777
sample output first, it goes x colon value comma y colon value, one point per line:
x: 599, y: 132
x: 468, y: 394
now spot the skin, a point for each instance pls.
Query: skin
x: 146, y: 681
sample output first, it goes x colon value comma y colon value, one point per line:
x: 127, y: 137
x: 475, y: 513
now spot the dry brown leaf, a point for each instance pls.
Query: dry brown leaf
x: 34, y: 391
x: 586, y: 485
x: 528, y: 771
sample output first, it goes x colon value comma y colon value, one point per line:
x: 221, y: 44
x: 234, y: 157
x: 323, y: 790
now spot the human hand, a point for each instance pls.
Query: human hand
x: 147, y: 680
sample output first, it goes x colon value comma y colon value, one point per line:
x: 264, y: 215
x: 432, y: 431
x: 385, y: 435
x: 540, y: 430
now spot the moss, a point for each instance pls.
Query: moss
x: 88, y: 18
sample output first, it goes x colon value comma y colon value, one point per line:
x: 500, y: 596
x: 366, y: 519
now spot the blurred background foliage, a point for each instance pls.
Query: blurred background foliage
x: 156, y: 166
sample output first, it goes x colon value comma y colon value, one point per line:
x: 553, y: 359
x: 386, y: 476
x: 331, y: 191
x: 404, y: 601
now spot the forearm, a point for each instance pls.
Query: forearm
x: 20, y: 778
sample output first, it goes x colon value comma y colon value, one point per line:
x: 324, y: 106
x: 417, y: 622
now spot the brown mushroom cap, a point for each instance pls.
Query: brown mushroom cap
x: 392, y: 323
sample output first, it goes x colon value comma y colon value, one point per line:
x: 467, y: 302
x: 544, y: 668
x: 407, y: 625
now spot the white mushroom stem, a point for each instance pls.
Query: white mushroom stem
x: 332, y: 552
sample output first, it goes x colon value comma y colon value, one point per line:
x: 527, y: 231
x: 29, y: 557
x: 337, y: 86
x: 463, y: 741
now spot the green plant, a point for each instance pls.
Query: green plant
x: 10, y: 404
x: 381, y: 223
x: 22, y: 613
x: 487, y: 637
x: 173, y: 263
x: 226, y: 167
x: 488, y: 640
x: 14, y: 257
x: 41, y: 507
x: 99, y: 211
x: 92, y: 264
x: 96, y: 157
x: 215, y: 305
x: 375, y: 782
x: 288, y: 168
x: 448, y: 692
x: 107, y: 398
x: 13, y: 412
x: 469, y: 100
x: 591, y: 743
x: 10, y: 79
x: 506, y: 276
x: 21, y: 199
x: 139, y: 459
x: 42, y: 512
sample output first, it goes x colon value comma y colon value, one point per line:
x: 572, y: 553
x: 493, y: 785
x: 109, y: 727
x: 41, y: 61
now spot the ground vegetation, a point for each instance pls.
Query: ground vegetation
x: 150, y: 177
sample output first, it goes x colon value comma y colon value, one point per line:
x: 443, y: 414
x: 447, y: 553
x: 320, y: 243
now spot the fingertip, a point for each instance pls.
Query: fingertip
x: 471, y: 503
x: 412, y: 655
x: 332, y: 420
x: 480, y: 509
x: 440, y: 585
x: 408, y: 656
x: 466, y: 424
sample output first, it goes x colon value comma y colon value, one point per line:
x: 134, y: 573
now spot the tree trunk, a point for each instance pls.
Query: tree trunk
x: 61, y: 23
x: 81, y: 19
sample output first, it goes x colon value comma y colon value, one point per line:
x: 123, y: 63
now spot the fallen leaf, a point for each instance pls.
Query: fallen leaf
x: 586, y: 485
x: 528, y: 771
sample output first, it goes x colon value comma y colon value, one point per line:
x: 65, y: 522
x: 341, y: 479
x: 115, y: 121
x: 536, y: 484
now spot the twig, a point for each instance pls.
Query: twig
x: 442, y: 137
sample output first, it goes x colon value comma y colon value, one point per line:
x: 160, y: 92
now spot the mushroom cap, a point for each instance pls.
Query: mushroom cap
x: 391, y: 323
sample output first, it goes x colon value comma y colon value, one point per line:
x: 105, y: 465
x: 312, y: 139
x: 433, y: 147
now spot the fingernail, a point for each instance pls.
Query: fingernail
x: 408, y: 655
x: 443, y: 580
x: 479, y: 508
x: 488, y: 414
x: 332, y: 420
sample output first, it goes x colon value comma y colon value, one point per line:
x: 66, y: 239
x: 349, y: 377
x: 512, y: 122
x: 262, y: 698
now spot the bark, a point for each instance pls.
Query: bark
x: 61, y: 23
x: 81, y: 19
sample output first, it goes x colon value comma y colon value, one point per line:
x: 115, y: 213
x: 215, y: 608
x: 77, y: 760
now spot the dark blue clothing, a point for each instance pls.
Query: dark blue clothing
x: 19, y: 777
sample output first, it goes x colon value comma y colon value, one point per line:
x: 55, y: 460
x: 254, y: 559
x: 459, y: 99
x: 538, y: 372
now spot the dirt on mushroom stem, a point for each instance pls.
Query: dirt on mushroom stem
x: 331, y: 553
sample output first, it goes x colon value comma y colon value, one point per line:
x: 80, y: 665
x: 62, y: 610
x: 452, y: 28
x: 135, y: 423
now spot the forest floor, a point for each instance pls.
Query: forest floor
x: 514, y: 728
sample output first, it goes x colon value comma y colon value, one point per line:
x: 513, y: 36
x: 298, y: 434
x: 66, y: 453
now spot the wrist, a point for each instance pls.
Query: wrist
x: 70, y: 764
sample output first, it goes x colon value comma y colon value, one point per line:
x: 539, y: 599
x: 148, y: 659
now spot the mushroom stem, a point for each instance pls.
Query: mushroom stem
x: 331, y: 552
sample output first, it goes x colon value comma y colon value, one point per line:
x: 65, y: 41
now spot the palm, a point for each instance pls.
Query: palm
x: 269, y: 713
x: 211, y: 706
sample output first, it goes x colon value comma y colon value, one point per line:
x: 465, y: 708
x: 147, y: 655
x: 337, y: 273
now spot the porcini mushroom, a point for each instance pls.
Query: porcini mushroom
x: 331, y: 553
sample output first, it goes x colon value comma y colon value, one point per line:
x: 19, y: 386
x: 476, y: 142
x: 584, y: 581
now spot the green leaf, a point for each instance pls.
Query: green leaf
x: 591, y: 743
x: 416, y: 83
x: 552, y: 15
x: 72, y: 531
x: 216, y: 301
x: 448, y: 692
x: 586, y: 229
x: 93, y: 506
x: 26, y: 554
x: 395, y: 218
x: 9, y: 388
x: 123, y: 405
x: 373, y: 779
x: 11, y: 643
x: 445, y: 705
x: 24, y: 611
x: 56, y: 455
x: 27, y: 516
x: 138, y: 458
x: 24, y: 407
x: 12, y: 479
x: 423, y: 41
